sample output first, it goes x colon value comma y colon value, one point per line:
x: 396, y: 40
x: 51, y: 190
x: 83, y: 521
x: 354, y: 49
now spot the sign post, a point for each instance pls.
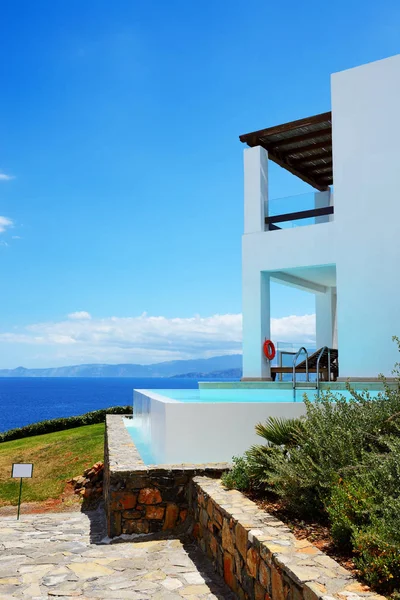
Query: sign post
x: 21, y: 471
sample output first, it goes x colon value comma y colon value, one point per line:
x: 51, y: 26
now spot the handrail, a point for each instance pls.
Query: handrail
x: 302, y: 214
x: 294, y: 368
x: 320, y: 355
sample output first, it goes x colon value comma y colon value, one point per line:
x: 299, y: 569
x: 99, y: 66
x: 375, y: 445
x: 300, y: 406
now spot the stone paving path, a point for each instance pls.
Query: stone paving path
x: 58, y: 556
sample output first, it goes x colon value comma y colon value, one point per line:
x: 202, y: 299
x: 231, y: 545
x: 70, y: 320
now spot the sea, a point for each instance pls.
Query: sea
x: 25, y: 400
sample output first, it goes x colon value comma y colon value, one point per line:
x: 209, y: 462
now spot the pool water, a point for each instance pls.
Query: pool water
x: 141, y: 438
x: 242, y: 395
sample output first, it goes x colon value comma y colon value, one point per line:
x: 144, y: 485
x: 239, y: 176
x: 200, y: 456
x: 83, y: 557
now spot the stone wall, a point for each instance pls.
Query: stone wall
x: 257, y: 554
x: 141, y: 499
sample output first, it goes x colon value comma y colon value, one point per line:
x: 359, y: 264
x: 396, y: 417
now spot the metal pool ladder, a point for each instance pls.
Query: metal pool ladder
x: 296, y: 356
x: 320, y: 355
x: 315, y: 368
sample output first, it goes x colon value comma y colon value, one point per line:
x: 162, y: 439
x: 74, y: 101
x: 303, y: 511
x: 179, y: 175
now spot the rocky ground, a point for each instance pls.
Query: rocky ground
x: 61, y: 556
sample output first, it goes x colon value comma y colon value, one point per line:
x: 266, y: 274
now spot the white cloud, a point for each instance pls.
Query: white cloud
x: 146, y: 339
x: 16, y: 237
x: 5, y: 223
x: 294, y: 329
x: 79, y: 315
x: 5, y: 177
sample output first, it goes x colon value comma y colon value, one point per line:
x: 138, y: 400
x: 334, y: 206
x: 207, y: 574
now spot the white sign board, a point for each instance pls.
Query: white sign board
x: 22, y: 470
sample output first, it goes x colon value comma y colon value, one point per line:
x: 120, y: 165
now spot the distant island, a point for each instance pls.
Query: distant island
x: 217, y: 367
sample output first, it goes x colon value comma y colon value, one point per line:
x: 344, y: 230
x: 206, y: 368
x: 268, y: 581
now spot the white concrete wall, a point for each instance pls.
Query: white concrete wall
x: 325, y: 318
x: 366, y: 159
x: 274, y: 251
x: 196, y: 432
x: 255, y: 189
x: 256, y: 323
x: 215, y: 432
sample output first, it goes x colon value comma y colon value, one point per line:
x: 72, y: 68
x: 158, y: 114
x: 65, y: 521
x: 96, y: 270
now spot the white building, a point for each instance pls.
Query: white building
x: 349, y: 257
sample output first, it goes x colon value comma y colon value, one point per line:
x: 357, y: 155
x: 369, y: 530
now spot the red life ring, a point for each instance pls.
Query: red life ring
x: 269, y: 349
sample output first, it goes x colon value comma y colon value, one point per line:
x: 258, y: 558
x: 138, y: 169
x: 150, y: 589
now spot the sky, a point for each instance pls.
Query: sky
x: 121, y: 179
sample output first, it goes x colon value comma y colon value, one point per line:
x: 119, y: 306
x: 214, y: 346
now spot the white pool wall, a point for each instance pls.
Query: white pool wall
x: 197, y: 432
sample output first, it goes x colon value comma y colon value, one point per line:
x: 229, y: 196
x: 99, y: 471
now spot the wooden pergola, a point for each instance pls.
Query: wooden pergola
x: 303, y: 147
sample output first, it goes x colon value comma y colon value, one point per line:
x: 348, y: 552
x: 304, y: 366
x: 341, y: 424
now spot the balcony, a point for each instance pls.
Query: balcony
x: 295, y: 211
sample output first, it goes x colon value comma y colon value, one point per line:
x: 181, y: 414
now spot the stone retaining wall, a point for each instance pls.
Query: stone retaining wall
x: 257, y: 554
x: 141, y: 499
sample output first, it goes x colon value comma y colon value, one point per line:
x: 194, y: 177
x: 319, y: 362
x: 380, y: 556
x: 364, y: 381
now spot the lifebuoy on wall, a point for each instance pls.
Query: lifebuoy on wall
x: 269, y: 349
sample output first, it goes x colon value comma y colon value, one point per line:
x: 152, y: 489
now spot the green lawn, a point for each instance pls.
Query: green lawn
x: 56, y: 457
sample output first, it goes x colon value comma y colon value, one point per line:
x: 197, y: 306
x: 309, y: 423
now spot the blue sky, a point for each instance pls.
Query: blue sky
x: 121, y: 169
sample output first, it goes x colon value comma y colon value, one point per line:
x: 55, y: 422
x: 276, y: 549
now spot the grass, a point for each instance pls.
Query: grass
x: 56, y: 458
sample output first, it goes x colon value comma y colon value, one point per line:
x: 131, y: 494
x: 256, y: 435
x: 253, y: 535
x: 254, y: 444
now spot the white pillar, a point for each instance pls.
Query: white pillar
x: 325, y: 317
x: 256, y: 324
x: 255, y: 189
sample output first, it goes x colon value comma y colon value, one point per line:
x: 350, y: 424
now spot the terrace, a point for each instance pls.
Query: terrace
x: 304, y: 148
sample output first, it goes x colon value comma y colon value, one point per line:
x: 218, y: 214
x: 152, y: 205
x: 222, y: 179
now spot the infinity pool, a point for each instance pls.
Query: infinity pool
x: 207, y: 425
x: 239, y: 395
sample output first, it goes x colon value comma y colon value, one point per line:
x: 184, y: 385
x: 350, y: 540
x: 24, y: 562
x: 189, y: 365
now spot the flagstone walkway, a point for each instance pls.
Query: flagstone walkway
x: 58, y: 556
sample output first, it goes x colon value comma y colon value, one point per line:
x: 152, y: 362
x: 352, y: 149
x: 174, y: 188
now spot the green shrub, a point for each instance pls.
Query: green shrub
x: 337, y: 434
x: 280, y: 431
x: 258, y: 460
x: 238, y: 477
x: 348, y: 507
x: 377, y: 559
x: 251, y: 471
x: 341, y: 462
x: 364, y: 513
x: 48, y: 426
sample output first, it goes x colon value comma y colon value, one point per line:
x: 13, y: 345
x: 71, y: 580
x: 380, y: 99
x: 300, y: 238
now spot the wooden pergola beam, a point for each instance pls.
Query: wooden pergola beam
x: 286, y: 127
x: 320, y: 171
x: 326, y: 144
x: 322, y: 160
x: 297, y: 137
x: 304, y: 159
x: 304, y: 177
x: 312, y: 135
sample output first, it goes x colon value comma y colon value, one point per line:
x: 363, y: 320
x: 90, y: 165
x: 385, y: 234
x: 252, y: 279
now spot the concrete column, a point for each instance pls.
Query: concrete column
x: 255, y: 189
x: 325, y: 317
x: 256, y: 324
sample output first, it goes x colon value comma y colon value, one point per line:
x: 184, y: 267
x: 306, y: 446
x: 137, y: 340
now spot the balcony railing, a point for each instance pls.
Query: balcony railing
x: 295, y: 211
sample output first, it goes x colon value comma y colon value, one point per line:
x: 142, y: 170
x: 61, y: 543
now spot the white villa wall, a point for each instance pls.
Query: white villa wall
x: 366, y: 159
x: 325, y: 319
x: 265, y: 252
x: 362, y: 238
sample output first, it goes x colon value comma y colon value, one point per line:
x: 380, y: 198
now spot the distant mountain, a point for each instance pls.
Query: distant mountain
x: 225, y: 374
x: 173, y: 368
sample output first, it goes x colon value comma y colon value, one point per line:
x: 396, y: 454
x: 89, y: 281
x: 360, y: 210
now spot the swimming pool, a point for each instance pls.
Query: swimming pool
x: 237, y: 395
x: 207, y: 425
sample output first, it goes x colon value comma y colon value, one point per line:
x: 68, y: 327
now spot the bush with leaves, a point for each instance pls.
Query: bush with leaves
x: 336, y: 435
x: 342, y: 462
x: 252, y: 471
x: 237, y: 477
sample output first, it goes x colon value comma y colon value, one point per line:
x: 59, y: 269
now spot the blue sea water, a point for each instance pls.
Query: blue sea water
x: 28, y: 400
